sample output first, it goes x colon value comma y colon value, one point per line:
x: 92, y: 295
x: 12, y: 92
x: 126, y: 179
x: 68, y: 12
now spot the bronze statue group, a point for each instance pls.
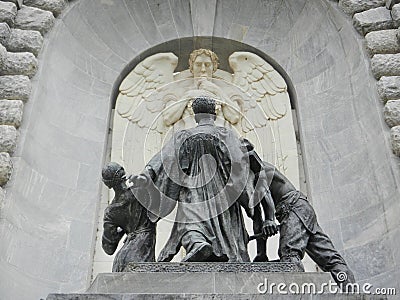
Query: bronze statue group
x: 210, y: 174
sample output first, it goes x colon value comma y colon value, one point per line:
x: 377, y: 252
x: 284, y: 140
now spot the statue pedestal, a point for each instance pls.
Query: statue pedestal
x: 209, y: 281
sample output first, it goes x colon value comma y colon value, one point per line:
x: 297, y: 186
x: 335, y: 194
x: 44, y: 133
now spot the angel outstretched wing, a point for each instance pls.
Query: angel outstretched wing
x: 266, y: 88
x: 152, y: 73
x: 135, y: 110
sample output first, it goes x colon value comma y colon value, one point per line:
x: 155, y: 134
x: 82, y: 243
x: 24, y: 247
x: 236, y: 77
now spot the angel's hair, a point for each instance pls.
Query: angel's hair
x: 197, y: 52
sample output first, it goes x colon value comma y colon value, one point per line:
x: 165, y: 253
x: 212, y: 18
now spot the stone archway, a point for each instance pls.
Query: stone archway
x: 276, y: 143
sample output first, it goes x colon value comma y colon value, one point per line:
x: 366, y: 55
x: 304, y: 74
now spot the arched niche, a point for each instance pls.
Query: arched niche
x: 276, y: 143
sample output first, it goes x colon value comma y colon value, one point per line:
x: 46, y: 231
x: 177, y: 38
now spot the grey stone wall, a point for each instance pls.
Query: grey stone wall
x: 21, y: 29
x: 49, y: 207
x: 379, y: 20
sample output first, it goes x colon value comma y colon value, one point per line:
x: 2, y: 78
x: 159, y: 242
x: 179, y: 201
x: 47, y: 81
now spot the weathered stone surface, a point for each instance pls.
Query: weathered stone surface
x: 374, y: 19
x: 3, y: 55
x: 55, y: 6
x: 21, y: 63
x: 385, y: 65
x: 392, y: 113
x: 18, y: 3
x: 15, y: 87
x: 11, y: 112
x: 8, y: 12
x: 24, y: 41
x: 2, y: 197
x: 197, y: 282
x: 194, y: 267
x: 395, y: 139
x: 398, y: 34
x: 5, y: 168
x: 391, y: 3
x: 5, y: 32
x: 389, y: 88
x: 382, y: 42
x: 354, y: 6
x: 8, y: 138
x: 396, y: 12
x: 34, y: 19
x: 208, y: 296
x: 203, y: 16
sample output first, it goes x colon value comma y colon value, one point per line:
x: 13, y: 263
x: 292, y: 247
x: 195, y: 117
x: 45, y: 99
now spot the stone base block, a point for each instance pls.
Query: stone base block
x: 207, y: 296
x: 210, y: 267
x: 211, y: 281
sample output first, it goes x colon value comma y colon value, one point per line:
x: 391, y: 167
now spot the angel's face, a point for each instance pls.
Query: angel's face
x: 203, y: 66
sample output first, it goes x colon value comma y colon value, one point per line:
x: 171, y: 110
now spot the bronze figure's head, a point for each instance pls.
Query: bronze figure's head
x: 204, y: 107
x: 113, y: 174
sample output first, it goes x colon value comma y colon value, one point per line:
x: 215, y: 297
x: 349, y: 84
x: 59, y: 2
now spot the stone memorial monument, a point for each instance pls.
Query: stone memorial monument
x: 313, y: 85
x: 209, y: 174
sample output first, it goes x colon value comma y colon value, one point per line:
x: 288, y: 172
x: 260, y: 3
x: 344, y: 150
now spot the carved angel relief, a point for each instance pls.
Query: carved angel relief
x: 153, y: 100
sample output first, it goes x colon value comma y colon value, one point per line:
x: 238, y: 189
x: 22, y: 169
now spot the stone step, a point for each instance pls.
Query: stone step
x: 208, y: 296
x: 272, y: 280
x: 203, y: 282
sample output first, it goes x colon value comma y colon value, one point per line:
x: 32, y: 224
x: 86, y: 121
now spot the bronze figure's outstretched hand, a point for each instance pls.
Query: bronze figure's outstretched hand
x: 138, y: 180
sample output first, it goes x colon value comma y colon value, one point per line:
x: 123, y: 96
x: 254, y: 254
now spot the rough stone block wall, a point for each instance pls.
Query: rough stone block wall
x: 21, y: 37
x: 379, y: 21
